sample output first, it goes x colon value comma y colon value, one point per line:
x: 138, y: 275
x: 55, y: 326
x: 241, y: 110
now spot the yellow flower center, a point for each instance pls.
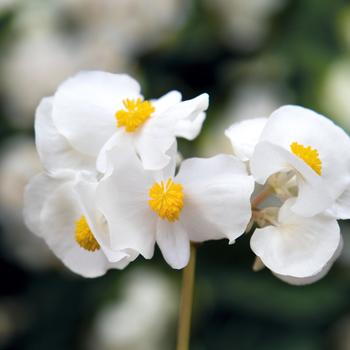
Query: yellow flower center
x: 134, y: 115
x: 167, y: 199
x: 309, y: 155
x: 84, y: 236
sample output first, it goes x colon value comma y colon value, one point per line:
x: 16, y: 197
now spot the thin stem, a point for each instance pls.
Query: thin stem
x: 183, y: 336
x: 262, y: 196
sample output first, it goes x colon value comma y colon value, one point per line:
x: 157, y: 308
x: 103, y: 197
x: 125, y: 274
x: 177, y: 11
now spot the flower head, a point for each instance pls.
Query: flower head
x: 207, y: 199
x: 93, y: 111
x: 61, y: 210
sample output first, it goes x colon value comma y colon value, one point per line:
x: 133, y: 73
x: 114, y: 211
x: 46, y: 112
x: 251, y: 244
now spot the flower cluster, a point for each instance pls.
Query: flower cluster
x: 111, y: 190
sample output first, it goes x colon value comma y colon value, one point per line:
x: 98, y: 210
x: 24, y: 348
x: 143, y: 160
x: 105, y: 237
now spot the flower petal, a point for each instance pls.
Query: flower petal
x: 174, y: 243
x: 217, y: 194
x: 167, y: 101
x: 122, y: 197
x: 298, y: 247
x: 341, y: 208
x: 244, y: 136
x: 308, y: 280
x: 55, y: 151
x: 86, y: 193
x: 85, y: 105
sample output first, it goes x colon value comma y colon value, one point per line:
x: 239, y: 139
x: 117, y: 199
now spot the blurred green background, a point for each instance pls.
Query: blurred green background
x: 251, y: 56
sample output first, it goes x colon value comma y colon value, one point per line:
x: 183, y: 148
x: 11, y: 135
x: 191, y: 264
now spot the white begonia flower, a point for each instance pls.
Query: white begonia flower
x: 61, y: 211
x: 142, y: 289
x: 207, y: 199
x: 95, y: 110
x: 18, y: 163
x: 315, y: 150
x: 244, y: 136
x: 296, y: 247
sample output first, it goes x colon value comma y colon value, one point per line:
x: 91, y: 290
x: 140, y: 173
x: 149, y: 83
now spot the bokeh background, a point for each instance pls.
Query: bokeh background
x: 251, y: 56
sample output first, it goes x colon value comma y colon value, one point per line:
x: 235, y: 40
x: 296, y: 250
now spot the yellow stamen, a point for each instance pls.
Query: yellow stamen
x: 84, y: 236
x: 136, y: 113
x: 167, y: 199
x: 309, y: 155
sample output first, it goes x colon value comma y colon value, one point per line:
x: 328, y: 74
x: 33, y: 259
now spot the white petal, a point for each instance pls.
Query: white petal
x: 37, y: 192
x: 58, y: 216
x: 217, y: 194
x: 174, y: 243
x: 290, y: 124
x: 313, y: 196
x: 244, y: 136
x: 341, y: 208
x: 85, y: 106
x: 167, y: 101
x: 153, y: 141
x: 54, y: 149
x: 298, y: 247
x: 86, y: 194
x: 122, y: 197
x: 308, y: 280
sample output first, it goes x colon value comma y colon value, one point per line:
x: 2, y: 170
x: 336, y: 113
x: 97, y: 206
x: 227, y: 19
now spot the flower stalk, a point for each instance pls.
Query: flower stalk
x: 183, y: 337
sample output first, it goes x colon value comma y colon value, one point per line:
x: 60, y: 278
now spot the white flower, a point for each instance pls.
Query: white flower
x: 244, y: 136
x: 95, y: 110
x: 18, y: 163
x: 142, y: 289
x: 312, y: 148
x: 207, y: 199
x: 61, y: 211
x: 297, y: 249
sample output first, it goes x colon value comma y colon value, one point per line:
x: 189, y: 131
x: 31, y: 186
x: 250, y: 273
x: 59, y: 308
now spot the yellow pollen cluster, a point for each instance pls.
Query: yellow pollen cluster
x: 167, y: 199
x: 309, y: 155
x: 135, y: 114
x: 84, y: 236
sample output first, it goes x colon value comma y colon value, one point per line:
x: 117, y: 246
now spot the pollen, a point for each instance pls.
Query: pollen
x: 167, y: 199
x: 309, y: 155
x: 134, y: 115
x: 84, y: 236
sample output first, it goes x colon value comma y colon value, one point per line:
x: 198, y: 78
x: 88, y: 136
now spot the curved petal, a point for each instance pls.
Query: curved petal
x: 165, y: 102
x: 122, y: 198
x: 244, y: 136
x: 290, y: 124
x: 341, y: 207
x: 308, y: 280
x: 85, y: 105
x: 86, y: 193
x: 298, y: 247
x: 55, y: 151
x: 189, y: 116
x: 174, y: 243
x: 313, y: 196
x: 152, y: 143
x: 217, y: 194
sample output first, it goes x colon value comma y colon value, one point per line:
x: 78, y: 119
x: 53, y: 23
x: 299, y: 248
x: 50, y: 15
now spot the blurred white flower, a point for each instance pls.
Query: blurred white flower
x: 141, y: 319
x: 335, y: 92
x: 245, y: 24
x: 207, y: 199
x: 41, y: 61
x: 18, y: 163
x: 134, y: 25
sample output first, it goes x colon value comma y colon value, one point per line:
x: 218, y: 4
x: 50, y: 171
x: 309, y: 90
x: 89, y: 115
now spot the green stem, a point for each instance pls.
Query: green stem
x: 183, y: 336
